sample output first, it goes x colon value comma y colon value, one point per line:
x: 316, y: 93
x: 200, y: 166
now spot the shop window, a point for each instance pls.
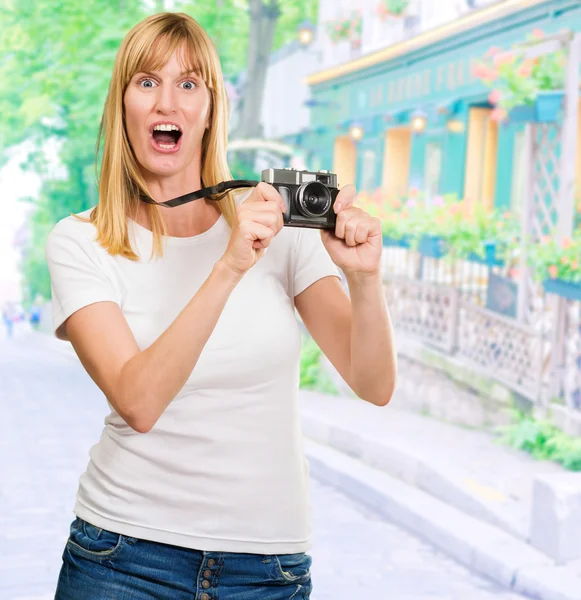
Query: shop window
x: 396, y: 162
x: 368, y: 163
x: 481, y: 156
x: 345, y: 161
x: 433, y: 166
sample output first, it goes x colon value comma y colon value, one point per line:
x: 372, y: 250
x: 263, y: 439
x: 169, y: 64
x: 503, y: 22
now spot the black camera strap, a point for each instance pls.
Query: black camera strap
x: 214, y: 192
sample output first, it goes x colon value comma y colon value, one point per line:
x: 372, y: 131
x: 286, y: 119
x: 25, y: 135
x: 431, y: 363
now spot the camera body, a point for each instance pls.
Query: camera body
x: 309, y: 196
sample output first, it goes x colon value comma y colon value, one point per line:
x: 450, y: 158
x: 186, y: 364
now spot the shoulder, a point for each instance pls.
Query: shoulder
x: 71, y: 231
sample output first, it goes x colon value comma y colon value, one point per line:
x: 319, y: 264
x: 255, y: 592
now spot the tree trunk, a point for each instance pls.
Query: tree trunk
x: 263, y: 19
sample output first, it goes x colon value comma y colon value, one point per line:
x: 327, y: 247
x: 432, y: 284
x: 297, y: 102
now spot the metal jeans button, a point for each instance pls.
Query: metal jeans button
x: 204, y: 596
x: 211, y: 562
x: 205, y: 584
x: 207, y: 573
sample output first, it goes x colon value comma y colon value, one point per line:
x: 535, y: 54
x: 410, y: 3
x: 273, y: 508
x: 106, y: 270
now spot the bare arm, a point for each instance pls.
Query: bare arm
x: 140, y: 385
x: 356, y: 335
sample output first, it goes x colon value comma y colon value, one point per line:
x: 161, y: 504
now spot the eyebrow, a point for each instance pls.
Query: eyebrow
x: 156, y: 73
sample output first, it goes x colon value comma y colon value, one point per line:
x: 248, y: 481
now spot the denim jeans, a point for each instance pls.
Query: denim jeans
x: 99, y: 565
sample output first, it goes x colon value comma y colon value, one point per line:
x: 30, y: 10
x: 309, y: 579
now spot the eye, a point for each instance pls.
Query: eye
x: 191, y: 83
x: 146, y: 80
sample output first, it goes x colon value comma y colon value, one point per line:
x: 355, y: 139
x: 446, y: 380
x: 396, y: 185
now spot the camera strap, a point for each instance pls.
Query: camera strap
x: 218, y: 191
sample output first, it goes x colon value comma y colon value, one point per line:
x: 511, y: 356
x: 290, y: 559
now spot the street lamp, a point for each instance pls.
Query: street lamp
x: 356, y: 132
x: 306, y: 33
x: 455, y: 126
x: 418, y: 121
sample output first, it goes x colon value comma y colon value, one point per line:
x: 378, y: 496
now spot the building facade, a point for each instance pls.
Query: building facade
x: 421, y: 117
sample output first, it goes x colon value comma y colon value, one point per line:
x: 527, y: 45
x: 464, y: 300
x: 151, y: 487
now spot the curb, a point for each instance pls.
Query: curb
x: 403, y: 465
x: 481, y: 547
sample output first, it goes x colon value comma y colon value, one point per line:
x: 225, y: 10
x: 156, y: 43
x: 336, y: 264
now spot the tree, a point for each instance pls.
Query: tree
x: 55, y: 64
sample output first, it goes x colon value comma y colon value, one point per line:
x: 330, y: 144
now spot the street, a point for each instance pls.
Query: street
x: 53, y: 413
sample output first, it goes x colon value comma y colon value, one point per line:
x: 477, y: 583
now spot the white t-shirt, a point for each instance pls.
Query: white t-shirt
x: 223, y: 469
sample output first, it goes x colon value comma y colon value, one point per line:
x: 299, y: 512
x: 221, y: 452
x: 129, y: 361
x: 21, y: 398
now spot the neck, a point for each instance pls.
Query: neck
x: 187, y: 220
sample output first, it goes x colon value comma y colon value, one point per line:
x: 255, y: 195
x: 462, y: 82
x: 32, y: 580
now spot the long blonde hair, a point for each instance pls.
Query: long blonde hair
x: 148, y: 47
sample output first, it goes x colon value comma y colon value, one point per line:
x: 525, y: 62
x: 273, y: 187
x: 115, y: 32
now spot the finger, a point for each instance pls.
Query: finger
x: 264, y: 192
x: 345, y: 197
x: 271, y: 216
x: 252, y: 231
x: 362, y: 231
x: 350, y: 230
x: 343, y: 218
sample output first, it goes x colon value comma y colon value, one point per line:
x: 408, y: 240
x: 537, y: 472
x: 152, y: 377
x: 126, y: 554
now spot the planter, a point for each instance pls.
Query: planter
x: 565, y: 289
x: 403, y: 242
x: 432, y: 246
x: 544, y: 110
x: 490, y: 256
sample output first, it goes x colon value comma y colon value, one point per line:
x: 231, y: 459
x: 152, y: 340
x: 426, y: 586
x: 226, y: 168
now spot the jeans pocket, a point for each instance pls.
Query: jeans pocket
x: 93, y: 542
x: 294, y: 568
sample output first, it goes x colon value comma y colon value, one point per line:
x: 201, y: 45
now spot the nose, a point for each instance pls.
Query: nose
x: 165, y: 103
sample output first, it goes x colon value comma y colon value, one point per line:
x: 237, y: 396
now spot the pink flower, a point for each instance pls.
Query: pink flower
x: 411, y: 203
x: 498, y: 114
x: 553, y: 271
x: 546, y: 239
x: 505, y: 58
x: 526, y: 69
x: 538, y: 33
x: 566, y: 243
x: 479, y: 70
x: 564, y: 260
x: 493, y: 51
x: 574, y: 265
x: 438, y: 201
x: 513, y: 273
x: 494, y: 96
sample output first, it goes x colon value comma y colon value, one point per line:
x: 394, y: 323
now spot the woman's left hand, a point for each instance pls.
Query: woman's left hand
x: 356, y: 244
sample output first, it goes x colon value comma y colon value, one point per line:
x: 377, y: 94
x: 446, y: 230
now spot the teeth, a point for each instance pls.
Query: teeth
x: 166, y: 127
x: 166, y: 146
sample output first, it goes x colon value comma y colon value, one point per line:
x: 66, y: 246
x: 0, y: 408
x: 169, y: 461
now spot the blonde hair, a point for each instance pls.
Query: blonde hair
x: 148, y: 47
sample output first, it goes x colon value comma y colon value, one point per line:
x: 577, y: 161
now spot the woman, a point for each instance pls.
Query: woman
x: 198, y: 487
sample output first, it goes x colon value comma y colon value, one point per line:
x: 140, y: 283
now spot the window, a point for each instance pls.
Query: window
x: 368, y: 170
x: 433, y: 166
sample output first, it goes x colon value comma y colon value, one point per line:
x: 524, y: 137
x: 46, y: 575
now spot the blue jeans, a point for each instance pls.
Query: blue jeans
x: 99, y: 565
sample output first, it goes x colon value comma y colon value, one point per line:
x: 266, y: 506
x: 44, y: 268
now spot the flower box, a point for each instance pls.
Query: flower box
x: 545, y: 109
x: 403, y: 242
x: 560, y: 287
x: 432, y: 246
x: 490, y: 257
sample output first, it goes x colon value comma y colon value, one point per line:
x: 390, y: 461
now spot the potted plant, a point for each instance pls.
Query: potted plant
x: 558, y: 265
x: 346, y: 29
x: 392, y: 212
x: 394, y: 8
x: 523, y: 89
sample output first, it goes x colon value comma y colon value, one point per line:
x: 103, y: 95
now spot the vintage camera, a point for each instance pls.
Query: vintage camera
x: 309, y: 196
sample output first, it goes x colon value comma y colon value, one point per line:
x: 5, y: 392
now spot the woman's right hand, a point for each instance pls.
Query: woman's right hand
x: 258, y: 220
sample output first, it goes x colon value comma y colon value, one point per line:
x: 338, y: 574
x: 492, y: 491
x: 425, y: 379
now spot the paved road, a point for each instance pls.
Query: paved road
x: 52, y: 413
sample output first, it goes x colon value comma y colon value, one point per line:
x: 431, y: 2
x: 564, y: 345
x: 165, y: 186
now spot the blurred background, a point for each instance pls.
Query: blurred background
x: 459, y: 121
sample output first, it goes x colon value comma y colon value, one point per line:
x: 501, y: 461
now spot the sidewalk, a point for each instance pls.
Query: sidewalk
x: 456, y: 487
x: 453, y: 486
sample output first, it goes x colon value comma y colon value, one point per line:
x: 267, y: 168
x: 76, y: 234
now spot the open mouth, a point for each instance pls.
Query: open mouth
x: 166, y: 137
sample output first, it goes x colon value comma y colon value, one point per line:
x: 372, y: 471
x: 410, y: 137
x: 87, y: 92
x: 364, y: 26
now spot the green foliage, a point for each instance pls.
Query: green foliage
x: 542, y: 440
x: 56, y: 63
x: 464, y: 230
x: 517, y: 80
x: 396, y: 8
x: 346, y: 28
x: 312, y: 376
x: 551, y: 259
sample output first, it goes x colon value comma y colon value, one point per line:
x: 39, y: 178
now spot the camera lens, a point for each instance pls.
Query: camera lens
x: 314, y: 199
